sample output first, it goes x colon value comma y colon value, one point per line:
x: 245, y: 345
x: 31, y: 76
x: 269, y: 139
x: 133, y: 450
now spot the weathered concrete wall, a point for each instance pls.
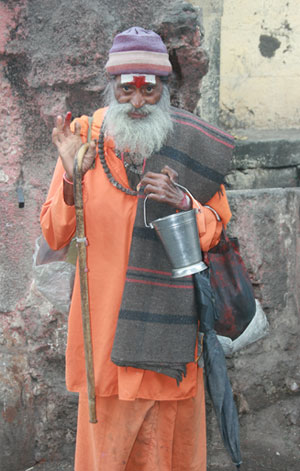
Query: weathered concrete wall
x: 260, y: 65
x: 51, y: 60
x: 265, y: 159
x: 252, y: 87
x: 255, y: 67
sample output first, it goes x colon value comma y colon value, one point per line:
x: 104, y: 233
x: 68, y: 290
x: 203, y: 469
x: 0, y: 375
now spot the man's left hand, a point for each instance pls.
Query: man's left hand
x: 160, y: 187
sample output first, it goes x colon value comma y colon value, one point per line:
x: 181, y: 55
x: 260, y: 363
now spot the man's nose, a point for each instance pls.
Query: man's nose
x: 137, y: 100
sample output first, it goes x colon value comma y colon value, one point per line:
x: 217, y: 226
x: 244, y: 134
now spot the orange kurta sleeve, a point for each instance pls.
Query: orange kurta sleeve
x: 58, y: 220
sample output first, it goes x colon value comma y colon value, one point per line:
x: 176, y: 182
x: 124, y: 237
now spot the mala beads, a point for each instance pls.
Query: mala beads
x: 106, y: 169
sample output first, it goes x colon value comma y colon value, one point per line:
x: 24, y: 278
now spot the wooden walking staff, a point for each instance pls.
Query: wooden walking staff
x: 81, y: 247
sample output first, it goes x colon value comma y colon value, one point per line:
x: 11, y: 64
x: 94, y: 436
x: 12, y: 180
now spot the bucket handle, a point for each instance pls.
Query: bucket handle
x: 180, y: 186
x: 145, y: 216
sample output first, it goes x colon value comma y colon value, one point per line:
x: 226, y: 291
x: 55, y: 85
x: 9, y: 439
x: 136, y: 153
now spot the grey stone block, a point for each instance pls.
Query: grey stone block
x: 263, y: 178
x: 265, y: 159
x: 266, y: 148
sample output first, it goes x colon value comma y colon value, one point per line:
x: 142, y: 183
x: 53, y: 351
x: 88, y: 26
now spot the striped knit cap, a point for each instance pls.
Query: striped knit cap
x: 138, y: 50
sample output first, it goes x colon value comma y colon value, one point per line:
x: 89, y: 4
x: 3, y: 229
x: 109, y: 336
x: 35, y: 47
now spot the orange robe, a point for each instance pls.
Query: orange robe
x: 141, y: 424
x: 109, y: 219
x: 143, y: 435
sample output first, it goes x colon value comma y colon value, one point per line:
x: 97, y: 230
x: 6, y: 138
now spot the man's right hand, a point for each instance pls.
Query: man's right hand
x: 68, y: 144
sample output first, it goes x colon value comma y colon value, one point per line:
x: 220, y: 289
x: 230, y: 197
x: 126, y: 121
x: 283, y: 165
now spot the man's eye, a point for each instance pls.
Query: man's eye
x: 149, y: 88
x: 126, y: 88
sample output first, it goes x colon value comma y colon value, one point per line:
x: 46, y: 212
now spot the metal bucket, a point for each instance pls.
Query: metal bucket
x: 180, y: 238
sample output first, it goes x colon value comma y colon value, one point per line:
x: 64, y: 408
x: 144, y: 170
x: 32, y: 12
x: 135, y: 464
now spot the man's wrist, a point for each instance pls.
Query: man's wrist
x: 68, y: 191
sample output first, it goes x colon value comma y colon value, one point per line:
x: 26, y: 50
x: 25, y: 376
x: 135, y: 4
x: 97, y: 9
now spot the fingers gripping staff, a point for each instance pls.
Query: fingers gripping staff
x: 81, y: 244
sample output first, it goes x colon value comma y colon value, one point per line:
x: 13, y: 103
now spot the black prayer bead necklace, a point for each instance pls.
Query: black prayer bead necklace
x: 106, y: 169
x: 130, y: 167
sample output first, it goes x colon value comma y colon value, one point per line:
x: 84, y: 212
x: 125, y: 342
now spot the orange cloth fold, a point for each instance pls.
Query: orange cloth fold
x: 209, y: 228
x: 143, y: 435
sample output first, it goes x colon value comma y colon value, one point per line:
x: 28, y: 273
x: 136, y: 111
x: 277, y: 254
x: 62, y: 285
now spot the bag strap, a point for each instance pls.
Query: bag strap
x: 89, y: 135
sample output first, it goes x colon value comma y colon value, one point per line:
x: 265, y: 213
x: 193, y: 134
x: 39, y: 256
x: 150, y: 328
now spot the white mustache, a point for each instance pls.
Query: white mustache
x: 129, y: 108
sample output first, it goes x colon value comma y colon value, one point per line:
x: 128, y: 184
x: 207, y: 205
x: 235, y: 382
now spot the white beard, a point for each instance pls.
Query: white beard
x: 140, y: 137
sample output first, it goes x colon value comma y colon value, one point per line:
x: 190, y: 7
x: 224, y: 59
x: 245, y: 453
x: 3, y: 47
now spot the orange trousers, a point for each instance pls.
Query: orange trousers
x: 142, y: 435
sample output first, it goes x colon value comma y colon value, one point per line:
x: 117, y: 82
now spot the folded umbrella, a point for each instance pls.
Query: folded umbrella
x: 218, y: 384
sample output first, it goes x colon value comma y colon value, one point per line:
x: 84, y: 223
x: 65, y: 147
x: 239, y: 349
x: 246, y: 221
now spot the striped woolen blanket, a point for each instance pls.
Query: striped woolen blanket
x: 157, y: 325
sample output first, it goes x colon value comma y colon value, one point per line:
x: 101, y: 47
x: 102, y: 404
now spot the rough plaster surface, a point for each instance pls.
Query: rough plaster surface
x: 51, y: 59
x: 254, y: 63
x: 259, y: 64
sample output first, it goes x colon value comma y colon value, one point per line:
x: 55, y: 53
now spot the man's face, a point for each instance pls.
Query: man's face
x: 138, y: 116
x: 138, y: 94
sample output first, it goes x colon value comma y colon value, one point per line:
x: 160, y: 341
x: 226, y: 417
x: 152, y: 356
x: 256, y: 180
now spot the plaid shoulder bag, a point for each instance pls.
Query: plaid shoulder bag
x: 234, y: 295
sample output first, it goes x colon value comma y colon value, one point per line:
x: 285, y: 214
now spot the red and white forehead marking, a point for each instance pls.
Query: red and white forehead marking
x: 138, y: 79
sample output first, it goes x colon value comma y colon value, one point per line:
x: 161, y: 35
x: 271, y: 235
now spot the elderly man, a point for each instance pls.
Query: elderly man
x: 149, y: 388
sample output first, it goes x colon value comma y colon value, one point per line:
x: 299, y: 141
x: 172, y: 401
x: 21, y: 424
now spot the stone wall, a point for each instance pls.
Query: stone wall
x: 52, y: 57
x: 266, y: 375
x: 51, y: 60
x: 265, y: 159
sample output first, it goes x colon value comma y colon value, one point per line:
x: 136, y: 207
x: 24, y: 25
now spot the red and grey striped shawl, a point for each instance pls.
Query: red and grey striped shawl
x: 157, y: 326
